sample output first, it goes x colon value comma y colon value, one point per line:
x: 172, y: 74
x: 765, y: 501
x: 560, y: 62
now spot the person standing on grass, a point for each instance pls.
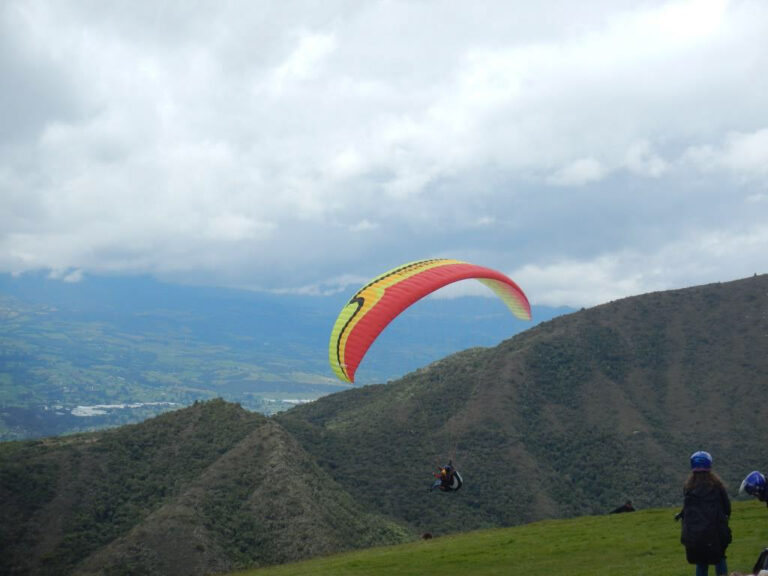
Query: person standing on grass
x: 706, y: 510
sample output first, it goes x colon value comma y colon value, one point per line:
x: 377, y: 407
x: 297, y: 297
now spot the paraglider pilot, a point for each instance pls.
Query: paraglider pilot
x: 447, y: 479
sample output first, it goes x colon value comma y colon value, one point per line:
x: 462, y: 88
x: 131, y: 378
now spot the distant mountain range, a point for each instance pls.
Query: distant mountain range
x: 569, y: 418
x: 108, y: 351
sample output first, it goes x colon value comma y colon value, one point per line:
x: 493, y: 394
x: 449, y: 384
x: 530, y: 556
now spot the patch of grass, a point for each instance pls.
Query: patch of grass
x: 644, y: 543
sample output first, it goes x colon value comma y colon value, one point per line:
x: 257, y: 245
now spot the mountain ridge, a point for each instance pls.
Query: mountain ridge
x: 204, y: 489
x: 634, y: 377
x: 569, y: 418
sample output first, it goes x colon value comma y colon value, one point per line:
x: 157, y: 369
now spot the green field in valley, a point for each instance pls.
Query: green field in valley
x: 113, y: 351
x: 643, y: 543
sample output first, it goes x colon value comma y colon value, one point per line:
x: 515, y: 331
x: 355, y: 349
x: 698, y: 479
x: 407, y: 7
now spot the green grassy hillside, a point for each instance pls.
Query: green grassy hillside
x: 642, y: 543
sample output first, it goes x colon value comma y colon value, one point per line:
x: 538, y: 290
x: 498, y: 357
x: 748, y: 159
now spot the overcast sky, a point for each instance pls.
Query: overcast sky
x: 591, y: 150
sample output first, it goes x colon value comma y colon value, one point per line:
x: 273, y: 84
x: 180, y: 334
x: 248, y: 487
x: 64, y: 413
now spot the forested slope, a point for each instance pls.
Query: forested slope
x: 569, y: 418
x: 205, y: 489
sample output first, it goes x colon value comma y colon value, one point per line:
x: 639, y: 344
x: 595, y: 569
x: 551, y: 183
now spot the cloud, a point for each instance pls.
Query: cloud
x: 363, y: 226
x: 641, y: 160
x: 578, y: 173
x: 68, y: 276
x: 700, y: 258
x: 579, y: 283
x: 275, y: 145
x: 236, y: 228
x: 305, y: 62
x: 345, y: 283
x: 744, y: 155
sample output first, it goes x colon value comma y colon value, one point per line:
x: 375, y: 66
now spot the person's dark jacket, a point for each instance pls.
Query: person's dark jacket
x: 627, y: 507
x: 705, y: 532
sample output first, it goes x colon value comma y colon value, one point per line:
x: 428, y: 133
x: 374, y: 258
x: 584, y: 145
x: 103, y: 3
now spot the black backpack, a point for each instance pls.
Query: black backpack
x: 705, y: 531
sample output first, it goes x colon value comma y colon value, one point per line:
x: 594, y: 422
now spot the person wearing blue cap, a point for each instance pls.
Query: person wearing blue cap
x: 754, y: 485
x: 706, y: 510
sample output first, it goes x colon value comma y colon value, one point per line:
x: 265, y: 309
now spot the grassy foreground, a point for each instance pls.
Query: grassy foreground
x: 646, y: 542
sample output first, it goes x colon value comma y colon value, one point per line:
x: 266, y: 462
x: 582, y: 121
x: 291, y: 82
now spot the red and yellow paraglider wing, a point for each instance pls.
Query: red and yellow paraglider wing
x: 376, y: 304
x: 512, y: 296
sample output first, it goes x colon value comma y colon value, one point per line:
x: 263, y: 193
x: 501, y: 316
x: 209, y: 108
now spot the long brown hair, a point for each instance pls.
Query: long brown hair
x: 702, y: 477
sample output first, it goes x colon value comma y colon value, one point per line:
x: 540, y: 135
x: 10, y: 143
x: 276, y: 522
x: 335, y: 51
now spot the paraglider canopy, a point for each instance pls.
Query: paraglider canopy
x: 377, y: 303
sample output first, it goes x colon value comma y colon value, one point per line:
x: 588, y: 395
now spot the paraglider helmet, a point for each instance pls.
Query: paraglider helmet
x: 753, y: 484
x: 701, y: 461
